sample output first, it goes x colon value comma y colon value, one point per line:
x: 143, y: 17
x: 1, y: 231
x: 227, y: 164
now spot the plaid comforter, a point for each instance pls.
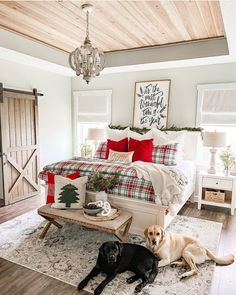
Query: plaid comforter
x: 130, y: 185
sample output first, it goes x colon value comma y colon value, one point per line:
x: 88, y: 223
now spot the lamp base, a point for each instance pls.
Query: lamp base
x: 212, y: 169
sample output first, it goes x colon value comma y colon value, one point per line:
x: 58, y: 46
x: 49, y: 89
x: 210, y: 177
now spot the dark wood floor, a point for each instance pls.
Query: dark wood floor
x: 18, y: 280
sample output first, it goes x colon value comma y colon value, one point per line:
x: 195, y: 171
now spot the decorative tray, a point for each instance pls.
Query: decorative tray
x: 114, y: 214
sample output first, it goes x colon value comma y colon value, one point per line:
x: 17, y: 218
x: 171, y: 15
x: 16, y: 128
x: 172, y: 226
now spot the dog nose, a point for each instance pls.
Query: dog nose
x: 112, y: 257
x: 154, y: 242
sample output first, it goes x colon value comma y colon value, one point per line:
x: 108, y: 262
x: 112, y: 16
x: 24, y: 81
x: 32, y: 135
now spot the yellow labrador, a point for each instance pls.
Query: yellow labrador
x: 171, y: 247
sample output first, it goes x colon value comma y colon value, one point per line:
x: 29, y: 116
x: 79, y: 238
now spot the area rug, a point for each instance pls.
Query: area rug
x: 68, y: 254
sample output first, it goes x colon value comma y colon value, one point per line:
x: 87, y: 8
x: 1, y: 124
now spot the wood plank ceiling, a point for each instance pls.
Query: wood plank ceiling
x: 114, y: 25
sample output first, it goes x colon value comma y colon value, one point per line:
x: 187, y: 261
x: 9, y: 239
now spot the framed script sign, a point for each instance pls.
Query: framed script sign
x: 151, y: 100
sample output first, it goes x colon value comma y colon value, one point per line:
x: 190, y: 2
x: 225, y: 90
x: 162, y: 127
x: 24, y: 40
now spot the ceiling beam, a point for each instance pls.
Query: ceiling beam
x: 17, y: 48
x: 180, y: 51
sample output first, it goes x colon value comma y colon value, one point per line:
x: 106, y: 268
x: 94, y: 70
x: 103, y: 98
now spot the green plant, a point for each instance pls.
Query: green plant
x: 227, y: 157
x: 97, y: 182
x: 86, y: 150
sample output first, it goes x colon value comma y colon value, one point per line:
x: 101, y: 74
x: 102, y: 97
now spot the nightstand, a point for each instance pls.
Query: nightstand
x: 218, y: 183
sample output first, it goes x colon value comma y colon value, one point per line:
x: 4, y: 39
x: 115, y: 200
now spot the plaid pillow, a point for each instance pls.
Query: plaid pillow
x: 165, y: 154
x: 101, y: 151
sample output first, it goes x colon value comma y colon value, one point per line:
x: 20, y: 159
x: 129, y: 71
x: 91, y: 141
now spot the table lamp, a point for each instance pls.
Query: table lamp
x: 214, y: 140
x: 96, y: 135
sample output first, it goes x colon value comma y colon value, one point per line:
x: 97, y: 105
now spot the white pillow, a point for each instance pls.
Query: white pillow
x: 137, y: 136
x: 69, y: 194
x: 170, y: 137
x: 115, y: 134
x: 120, y: 156
x: 162, y: 137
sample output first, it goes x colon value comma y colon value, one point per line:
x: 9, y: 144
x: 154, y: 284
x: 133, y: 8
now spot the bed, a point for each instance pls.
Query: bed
x: 136, y: 195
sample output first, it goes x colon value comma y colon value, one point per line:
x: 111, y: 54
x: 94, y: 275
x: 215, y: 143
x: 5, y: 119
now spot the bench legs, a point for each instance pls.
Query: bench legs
x: 123, y: 235
x: 47, y: 226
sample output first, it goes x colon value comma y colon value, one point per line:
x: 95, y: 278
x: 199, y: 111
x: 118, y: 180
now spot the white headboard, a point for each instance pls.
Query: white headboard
x: 191, y: 145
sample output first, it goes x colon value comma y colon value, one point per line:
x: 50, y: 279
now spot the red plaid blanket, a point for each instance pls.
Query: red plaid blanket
x: 130, y: 185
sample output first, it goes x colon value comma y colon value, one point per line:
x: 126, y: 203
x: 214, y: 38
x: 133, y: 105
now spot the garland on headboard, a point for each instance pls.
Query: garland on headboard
x: 144, y: 130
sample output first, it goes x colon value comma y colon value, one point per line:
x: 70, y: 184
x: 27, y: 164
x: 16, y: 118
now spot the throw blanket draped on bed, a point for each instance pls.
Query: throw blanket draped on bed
x: 164, y: 180
x: 131, y: 185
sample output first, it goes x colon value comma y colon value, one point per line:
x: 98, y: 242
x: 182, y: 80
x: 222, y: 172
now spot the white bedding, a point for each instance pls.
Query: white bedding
x: 165, y: 180
x: 189, y: 170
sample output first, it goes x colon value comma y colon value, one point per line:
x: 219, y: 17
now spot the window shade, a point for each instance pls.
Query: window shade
x: 93, y: 106
x: 218, y: 107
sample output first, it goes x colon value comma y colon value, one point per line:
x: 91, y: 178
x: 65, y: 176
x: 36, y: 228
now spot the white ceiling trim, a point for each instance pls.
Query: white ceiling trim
x: 24, y: 59
x: 170, y: 64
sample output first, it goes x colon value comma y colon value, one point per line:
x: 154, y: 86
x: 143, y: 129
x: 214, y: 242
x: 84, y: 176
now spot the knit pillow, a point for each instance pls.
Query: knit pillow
x: 101, y: 151
x: 120, y: 156
x: 165, y: 154
x: 69, y: 194
x: 51, y: 184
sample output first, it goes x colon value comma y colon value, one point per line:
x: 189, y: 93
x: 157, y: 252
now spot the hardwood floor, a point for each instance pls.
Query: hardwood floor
x: 18, y: 280
x: 1, y: 202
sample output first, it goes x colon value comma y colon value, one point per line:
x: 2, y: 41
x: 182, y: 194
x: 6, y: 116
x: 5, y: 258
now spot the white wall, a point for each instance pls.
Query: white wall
x: 183, y: 95
x: 55, y: 132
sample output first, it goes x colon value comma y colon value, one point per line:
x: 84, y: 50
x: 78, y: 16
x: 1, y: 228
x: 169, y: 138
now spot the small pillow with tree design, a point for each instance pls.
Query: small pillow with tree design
x: 69, y: 194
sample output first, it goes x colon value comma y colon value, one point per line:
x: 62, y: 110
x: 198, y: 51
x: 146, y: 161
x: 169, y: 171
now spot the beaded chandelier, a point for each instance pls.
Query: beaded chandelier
x: 87, y: 60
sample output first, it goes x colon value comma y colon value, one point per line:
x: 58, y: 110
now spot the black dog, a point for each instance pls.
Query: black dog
x: 115, y: 258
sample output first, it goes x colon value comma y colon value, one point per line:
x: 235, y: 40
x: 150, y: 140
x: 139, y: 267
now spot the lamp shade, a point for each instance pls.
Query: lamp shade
x: 96, y: 134
x: 214, y: 139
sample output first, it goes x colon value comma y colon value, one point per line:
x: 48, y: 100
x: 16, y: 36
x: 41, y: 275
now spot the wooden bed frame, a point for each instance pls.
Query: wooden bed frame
x: 144, y: 213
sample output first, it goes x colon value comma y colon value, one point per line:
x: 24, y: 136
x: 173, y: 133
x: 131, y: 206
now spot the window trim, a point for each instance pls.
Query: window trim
x: 76, y: 94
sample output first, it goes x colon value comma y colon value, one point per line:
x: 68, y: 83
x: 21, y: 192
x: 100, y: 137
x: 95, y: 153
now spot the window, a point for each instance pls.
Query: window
x: 91, y: 109
x: 217, y: 111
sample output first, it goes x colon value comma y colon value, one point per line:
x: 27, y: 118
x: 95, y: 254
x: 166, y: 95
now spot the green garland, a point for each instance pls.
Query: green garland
x: 144, y: 130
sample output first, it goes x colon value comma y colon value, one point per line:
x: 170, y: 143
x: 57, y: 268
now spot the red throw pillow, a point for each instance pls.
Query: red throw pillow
x: 118, y: 146
x: 142, y: 149
x: 51, y: 183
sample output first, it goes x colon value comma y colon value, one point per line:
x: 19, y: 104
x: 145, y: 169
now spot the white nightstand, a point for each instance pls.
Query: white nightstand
x: 220, y: 182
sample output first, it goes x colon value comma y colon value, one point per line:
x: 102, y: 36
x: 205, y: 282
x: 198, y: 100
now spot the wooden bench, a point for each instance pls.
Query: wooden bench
x: 119, y: 226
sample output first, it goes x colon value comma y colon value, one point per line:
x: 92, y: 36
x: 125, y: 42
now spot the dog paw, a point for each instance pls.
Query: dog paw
x: 98, y: 291
x: 183, y: 276
x: 82, y: 285
x: 173, y: 265
x: 138, y: 289
x: 129, y: 281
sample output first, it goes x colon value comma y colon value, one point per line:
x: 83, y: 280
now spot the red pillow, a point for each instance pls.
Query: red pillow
x: 51, y: 182
x: 118, y: 146
x: 142, y: 149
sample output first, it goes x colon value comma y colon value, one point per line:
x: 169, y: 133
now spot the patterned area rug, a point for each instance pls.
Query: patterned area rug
x: 70, y: 253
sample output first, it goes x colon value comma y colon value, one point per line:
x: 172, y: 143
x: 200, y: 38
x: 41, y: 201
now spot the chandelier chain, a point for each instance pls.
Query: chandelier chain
x: 87, y: 25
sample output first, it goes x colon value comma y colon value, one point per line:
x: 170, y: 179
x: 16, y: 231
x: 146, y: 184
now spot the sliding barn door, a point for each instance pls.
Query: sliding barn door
x: 19, y: 146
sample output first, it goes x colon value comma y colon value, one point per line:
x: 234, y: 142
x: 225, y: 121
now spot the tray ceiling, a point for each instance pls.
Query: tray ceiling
x: 114, y: 25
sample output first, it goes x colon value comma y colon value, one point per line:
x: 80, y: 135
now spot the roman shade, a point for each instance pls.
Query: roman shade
x: 218, y: 107
x: 93, y: 106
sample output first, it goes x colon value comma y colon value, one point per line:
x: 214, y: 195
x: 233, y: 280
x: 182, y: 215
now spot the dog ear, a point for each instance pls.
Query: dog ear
x: 120, y: 247
x: 163, y: 233
x: 146, y: 232
x: 101, y: 250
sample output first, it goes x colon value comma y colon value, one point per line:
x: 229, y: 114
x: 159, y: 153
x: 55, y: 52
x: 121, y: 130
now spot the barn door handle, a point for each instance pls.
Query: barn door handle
x: 4, y: 158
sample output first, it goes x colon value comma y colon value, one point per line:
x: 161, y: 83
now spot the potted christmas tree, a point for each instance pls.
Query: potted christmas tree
x: 98, y: 185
